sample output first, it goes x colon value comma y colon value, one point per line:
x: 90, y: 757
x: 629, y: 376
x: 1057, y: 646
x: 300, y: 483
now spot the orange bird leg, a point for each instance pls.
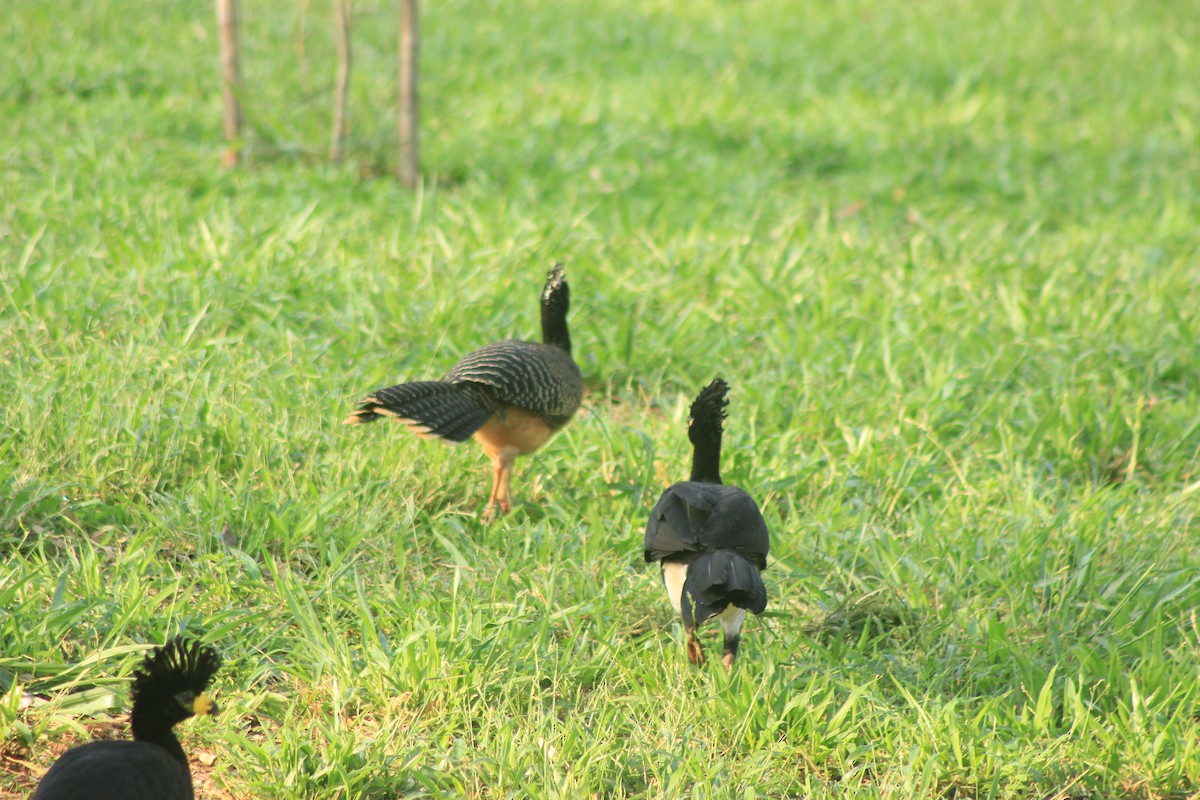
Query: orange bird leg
x: 501, y: 497
x: 695, y: 652
x: 503, y: 439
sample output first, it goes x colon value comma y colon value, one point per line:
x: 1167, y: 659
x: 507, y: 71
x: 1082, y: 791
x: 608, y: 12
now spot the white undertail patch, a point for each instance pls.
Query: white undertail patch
x: 674, y: 574
x: 731, y: 621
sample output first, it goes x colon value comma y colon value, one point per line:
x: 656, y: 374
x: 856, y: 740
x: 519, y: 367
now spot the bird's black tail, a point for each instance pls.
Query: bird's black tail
x: 718, y: 580
x: 430, y: 408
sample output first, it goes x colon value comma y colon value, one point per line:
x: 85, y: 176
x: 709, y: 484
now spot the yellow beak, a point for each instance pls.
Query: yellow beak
x: 203, y: 704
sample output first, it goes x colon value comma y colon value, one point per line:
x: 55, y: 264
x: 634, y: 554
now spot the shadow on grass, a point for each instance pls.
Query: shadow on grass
x: 876, y: 613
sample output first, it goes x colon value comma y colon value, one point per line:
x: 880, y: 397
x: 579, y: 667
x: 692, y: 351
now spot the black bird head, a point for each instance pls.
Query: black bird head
x: 556, y: 301
x: 169, y: 686
x: 705, y: 423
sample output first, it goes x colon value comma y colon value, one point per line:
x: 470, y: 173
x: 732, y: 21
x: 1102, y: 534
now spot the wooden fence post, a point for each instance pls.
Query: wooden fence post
x: 343, y: 10
x: 231, y: 79
x: 409, y: 168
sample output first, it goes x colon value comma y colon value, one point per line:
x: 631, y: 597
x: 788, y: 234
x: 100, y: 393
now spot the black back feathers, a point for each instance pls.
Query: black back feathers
x: 693, y: 518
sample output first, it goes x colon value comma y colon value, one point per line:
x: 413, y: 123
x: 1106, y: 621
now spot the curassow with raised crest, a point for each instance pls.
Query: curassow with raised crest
x: 710, y: 539
x: 168, y: 688
x: 512, y: 396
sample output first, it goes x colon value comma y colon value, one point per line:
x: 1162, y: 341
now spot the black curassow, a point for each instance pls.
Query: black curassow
x: 168, y: 688
x: 710, y: 539
x: 512, y: 396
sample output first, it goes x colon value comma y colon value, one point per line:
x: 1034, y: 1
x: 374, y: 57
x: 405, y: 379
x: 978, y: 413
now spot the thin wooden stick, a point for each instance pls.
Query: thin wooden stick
x: 302, y: 51
x: 231, y: 79
x: 409, y: 167
x: 342, y: 10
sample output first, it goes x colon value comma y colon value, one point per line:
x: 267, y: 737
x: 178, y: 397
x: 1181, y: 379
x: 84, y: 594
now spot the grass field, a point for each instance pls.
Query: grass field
x: 945, y: 253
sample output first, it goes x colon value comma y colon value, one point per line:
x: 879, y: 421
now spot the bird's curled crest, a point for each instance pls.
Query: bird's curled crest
x: 556, y: 282
x: 178, y: 663
x: 708, y: 409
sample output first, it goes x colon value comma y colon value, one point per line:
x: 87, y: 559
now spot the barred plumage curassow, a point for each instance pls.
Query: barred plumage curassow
x: 168, y: 688
x: 710, y: 539
x: 512, y: 396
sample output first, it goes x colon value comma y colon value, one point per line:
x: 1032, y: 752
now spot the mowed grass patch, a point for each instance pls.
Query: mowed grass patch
x: 944, y: 253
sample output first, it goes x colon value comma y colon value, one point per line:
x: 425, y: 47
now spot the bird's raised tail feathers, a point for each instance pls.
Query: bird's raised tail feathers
x: 430, y: 408
x: 717, y: 580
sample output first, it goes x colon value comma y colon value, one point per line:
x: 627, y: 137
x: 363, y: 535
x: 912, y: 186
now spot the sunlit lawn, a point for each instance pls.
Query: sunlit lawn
x: 945, y: 253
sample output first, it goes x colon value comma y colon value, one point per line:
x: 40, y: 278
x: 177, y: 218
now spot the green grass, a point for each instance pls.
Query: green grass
x: 944, y: 252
